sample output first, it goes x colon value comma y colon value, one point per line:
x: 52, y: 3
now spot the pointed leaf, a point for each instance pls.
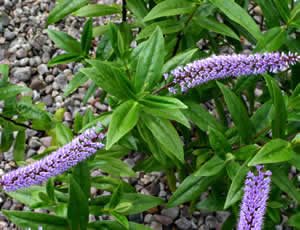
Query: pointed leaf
x: 64, y: 41
x: 95, y: 10
x: 123, y: 120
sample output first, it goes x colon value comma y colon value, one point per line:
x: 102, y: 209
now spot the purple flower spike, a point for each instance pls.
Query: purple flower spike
x: 254, y: 201
x: 219, y: 67
x: 79, y: 149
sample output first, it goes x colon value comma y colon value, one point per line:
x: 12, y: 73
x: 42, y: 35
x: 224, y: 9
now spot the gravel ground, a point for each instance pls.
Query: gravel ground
x: 25, y: 46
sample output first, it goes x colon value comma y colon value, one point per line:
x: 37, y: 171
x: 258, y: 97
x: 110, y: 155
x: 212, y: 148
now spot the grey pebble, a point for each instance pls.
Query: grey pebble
x: 46, y: 141
x: 9, y: 35
x: 21, y: 53
x: 37, y: 84
x: 164, y: 220
x: 8, y: 156
x: 156, y: 226
x: 34, y: 143
x: 211, y: 221
x: 171, y: 212
x: 30, y: 153
x: 183, y: 223
x: 42, y: 69
x: 22, y: 73
x: 148, y: 218
x: 4, y: 20
x: 61, y: 81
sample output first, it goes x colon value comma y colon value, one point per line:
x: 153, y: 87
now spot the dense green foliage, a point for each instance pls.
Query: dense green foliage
x: 175, y: 133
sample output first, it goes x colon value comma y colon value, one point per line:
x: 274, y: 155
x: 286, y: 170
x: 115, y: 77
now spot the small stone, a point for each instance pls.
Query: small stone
x: 3, y: 225
x: 8, y: 156
x: 46, y: 141
x: 130, y: 162
x: 155, y: 189
x: 211, y: 221
x: 4, y: 20
x: 21, y: 53
x: 164, y: 220
x: 24, y: 61
x: 67, y: 116
x: 46, y: 57
x: 137, y: 218
x: 162, y: 194
x: 48, y: 100
x: 42, y: 69
x: 203, y: 227
x: 49, y: 78
x: 7, y: 204
x: 22, y: 73
x: 183, y: 223
x: 61, y: 81
x: 156, y: 226
x: 148, y: 218
x: 37, y: 84
x: 100, y: 106
x: 34, y: 143
x: 9, y: 35
x: 171, y: 212
x: 222, y: 216
x: 30, y: 153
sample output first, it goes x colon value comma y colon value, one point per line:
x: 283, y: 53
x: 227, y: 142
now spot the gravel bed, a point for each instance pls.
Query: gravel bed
x: 25, y: 46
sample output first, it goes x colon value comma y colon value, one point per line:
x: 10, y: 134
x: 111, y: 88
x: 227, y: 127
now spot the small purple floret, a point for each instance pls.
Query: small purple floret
x: 223, y: 66
x: 79, y: 149
x: 255, y: 199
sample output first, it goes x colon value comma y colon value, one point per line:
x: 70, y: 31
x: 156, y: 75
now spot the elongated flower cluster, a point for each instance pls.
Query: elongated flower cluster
x: 254, y: 201
x: 59, y: 161
x: 219, y: 67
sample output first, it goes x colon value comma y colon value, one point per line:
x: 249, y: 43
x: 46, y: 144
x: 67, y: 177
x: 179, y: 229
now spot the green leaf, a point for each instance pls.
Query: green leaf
x: 212, y: 24
x: 34, y: 220
x: 19, y: 149
x: 272, y: 40
x: 166, y: 26
x: 109, y: 225
x: 113, y: 166
x: 4, y: 70
x: 59, y: 114
x: 123, y: 120
x: 90, y: 92
x: 172, y: 114
x: 294, y: 220
x: 26, y: 195
x: 190, y: 189
x: 283, y: 8
x: 235, y: 191
x: 180, y: 59
x: 50, y: 190
x: 65, y: 8
x: 81, y: 174
x: 211, y: 167
x: 280, y: 178
x: 64, y: 58
x: 64, y: 134
x: 139, y: 202
x: 65, y: 41
x: 238, y: 113
x: 11, y: 90
x: 121, y: 219
x: 78, y: 80
x: 115, y: 198
x: 162, y: 102
x: 169, y: 8
x: 245, y: 152
x: 87, y: 36
x: 270, y: 12
x: 108, y: 183
x: 100, y: 30
x: 280, y: 110
x: 150, y: 62
x: 201, y: 117
x: 78, y: 210
x: 110, y: 77
x: 96, y: 10
x: 237, y: 14
x: 138, y: 8
x: 7, y: 139
x: 277, y: 150
x: 165, y: 133
x: 116, y: 40
x: 104, y: 49
x: 211, y: 203
x: 218, y: 142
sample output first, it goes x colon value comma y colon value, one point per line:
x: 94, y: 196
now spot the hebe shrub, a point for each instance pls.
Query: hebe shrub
x: 156, y: 65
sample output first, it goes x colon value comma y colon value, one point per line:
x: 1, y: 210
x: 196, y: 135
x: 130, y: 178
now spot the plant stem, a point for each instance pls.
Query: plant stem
x: 162, y: 88
x: 15, y: 123
x: 179, y: 35
x: 124, y: 11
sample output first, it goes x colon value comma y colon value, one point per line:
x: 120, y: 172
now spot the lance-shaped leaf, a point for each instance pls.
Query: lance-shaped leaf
x: 123, y: 120
x: 11, y: 90
x: 65, y: 8
x: 94, y: 10
x: 161, y: 102
x: 87, y: 36
x: 109, y: 77
x: 277, y: 150
x: 150, y: 62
